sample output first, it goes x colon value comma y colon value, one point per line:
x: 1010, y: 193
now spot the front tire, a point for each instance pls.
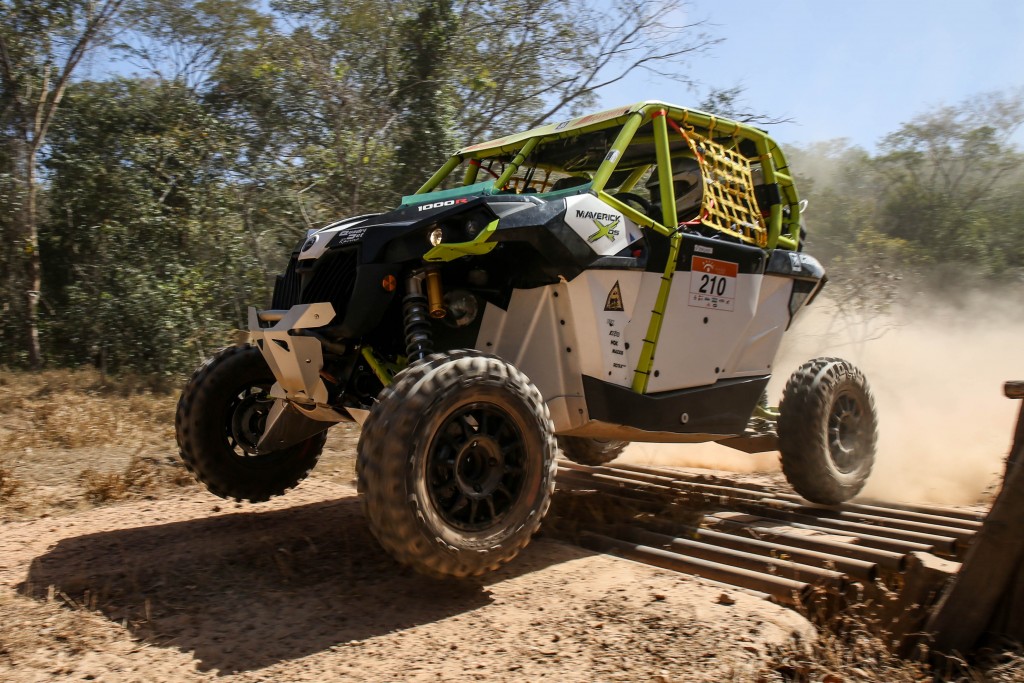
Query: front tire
x: 220, y: 417
x: 457, y: 465
x: 827, y: 430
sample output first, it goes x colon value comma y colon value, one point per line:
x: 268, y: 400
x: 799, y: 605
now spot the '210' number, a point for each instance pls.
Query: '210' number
x: 712, y: 284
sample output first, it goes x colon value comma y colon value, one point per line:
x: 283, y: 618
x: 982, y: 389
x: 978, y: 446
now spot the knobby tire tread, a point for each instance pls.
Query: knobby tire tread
x: 385, y: 455
x: 206, y: 460
x: 803, y: 434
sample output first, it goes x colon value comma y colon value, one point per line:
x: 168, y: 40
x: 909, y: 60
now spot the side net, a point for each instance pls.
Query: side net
x: 728, y: 204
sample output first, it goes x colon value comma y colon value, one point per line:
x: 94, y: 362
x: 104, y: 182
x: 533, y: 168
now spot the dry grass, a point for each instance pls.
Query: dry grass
x: 9, y: 484
x: 851, y: 649
x: 143, y: 476
x: 75, y: 409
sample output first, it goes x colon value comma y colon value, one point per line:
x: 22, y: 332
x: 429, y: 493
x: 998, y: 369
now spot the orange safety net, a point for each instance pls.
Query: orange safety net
x: 728, y: 204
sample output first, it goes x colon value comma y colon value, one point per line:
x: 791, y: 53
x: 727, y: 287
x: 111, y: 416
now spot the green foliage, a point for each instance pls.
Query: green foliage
x: 942, y: 201
x: 166, y: 202
x: 145, y: 256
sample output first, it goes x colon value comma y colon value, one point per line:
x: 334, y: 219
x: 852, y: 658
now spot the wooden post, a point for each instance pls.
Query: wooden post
x: 988, y: 593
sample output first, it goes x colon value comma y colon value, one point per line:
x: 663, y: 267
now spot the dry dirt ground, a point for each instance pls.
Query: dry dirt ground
x: 114, y: 567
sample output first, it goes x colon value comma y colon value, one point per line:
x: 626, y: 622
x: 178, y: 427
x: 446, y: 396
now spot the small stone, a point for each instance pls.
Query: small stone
x: 659, y: 596
x: 726, y: 599
x: 555, y: 638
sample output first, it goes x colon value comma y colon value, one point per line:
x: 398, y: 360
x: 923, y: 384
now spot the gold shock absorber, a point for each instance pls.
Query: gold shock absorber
x: 435, y: 293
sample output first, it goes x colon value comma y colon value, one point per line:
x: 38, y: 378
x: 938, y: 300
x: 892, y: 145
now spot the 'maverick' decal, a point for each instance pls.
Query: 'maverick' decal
x: 606, y: 230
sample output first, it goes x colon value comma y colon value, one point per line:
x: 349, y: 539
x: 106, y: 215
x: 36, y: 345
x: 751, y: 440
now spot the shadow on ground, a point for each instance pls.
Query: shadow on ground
x: 244, y: 591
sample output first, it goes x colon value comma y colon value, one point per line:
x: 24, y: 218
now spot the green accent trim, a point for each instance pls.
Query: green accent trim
x: 618, y: 148
x: 441, y: 174
x: 516, y: 161
x: 766, y: 413
x: 477, y: 247
x: 384, y: 370
x: 645, y: 365
x: 455, y: 192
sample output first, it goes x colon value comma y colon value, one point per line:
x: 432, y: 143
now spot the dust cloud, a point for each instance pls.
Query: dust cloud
x: 937, y: 374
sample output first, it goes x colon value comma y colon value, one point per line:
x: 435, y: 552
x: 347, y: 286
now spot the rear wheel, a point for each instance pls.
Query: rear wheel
x: 592, y: 452
x: 456, y: 465
x: 827, y: 431
x: 221, y: 415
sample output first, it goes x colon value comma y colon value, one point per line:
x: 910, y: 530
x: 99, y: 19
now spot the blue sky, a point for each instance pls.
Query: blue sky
x: 852, y: 69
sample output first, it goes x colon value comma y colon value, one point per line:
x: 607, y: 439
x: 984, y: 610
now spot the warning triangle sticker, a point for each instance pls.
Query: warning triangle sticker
x: 614, y: 300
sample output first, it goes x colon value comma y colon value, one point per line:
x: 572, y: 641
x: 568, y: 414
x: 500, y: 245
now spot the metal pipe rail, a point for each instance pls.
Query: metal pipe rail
x: 741, y: 534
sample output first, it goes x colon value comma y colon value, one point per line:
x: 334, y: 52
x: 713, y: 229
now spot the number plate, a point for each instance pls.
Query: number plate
x: 713, y: 283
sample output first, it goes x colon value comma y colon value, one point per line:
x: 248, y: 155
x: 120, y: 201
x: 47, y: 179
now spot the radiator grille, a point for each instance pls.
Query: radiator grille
x: 332, y: 277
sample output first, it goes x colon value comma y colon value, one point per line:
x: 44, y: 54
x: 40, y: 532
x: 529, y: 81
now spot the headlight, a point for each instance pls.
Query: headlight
x: 436, y: 237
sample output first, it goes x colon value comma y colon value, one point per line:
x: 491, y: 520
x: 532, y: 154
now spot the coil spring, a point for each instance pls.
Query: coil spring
x: 416, y: 315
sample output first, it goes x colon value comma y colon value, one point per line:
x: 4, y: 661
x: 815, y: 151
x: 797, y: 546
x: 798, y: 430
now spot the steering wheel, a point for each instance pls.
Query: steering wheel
x: 633, y: 197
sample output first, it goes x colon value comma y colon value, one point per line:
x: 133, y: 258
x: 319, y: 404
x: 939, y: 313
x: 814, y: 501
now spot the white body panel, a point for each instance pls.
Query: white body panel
x: 699, y: 345
x: 557, y: 334
x: 531, y: 335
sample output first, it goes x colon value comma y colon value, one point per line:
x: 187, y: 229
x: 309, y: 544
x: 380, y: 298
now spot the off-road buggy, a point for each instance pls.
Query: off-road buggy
x: 623, y: 276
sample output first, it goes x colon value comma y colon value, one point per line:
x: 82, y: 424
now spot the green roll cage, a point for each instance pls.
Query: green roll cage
x: 781, y: 224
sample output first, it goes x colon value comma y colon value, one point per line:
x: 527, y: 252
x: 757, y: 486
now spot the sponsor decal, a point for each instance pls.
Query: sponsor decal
x: 614, y: 303
x: 441, y: 205
x: 713, y: 283
x: 701, y: 249
x: 313, y: 239
x: 593, y: 221
x: 609, y: 230
x: 351, y: 235
x: 607, y: 224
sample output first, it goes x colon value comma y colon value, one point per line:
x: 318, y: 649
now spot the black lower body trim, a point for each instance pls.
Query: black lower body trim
x: 720, y: 408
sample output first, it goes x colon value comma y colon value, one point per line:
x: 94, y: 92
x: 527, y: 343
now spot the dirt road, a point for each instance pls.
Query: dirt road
x: 189, y: 587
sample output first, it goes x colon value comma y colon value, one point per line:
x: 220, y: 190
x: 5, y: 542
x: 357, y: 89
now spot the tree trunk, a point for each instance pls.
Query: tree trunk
x: 33, y: 263
x: 987, y: 595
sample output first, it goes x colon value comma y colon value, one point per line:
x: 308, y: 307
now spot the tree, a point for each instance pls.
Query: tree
x: 41, y: 45
x: 946, y: 176
x: 147, y: 255
x: 347, y: 111
x: 185, y: 40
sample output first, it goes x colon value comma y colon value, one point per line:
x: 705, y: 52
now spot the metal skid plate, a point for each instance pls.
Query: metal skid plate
x: 296, y: 361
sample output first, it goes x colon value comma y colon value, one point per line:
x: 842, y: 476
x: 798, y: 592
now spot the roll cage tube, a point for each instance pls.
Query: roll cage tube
x: 782, y: 226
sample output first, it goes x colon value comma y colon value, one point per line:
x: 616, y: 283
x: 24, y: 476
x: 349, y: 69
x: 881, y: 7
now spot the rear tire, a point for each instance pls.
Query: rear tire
x: 593, y: 452
x: 827, y: 430
x: 220, y: 417
x: 457, y: 464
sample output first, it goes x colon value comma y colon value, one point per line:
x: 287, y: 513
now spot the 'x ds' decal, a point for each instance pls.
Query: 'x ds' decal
x: 609, y: 230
